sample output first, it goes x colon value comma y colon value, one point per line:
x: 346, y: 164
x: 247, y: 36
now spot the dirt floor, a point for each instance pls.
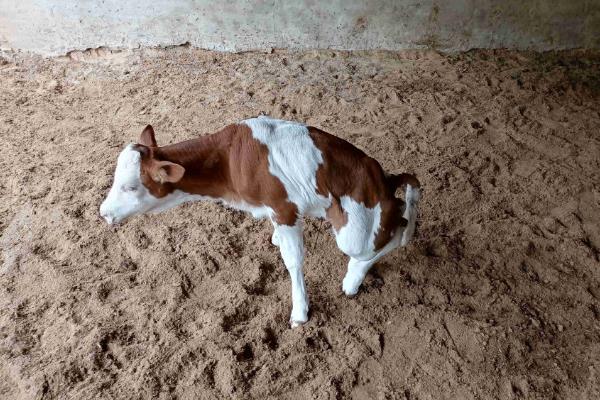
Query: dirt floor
x: 497, y: 298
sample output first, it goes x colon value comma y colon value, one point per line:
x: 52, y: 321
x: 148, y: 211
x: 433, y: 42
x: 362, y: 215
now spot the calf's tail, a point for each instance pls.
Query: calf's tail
x: 411, y: 199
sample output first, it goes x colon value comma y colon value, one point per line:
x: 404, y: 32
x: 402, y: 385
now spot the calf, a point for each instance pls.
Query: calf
x: 279, y: 170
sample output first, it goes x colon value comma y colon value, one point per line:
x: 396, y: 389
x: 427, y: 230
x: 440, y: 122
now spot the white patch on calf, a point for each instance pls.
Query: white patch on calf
x: 294, y: 160
x: 357, y: 237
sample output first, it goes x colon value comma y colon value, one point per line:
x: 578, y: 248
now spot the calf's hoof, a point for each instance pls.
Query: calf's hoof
x: 298, y: 319
x: 350, y: 286
x: 296, y: 324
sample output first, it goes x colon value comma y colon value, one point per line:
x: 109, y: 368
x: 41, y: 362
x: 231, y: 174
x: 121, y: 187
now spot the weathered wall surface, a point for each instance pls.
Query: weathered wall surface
x: 56, y: 27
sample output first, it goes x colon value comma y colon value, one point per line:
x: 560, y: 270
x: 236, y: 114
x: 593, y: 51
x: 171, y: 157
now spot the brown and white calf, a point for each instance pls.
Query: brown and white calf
x: 279, y: 170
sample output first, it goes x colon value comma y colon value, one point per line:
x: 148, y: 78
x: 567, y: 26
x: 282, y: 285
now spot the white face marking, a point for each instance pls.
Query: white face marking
x: 294, y: 160
x: 128, y: 196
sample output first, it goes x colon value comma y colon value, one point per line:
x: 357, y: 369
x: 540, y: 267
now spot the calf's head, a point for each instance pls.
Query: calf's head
x: 142, y: 183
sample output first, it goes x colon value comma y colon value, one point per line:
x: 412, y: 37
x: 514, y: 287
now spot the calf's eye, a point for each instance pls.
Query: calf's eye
x: 129, y: 188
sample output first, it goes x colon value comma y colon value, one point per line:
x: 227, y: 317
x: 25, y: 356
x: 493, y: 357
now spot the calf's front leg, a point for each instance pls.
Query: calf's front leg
x: 291, y: 246
x: 274, y: 238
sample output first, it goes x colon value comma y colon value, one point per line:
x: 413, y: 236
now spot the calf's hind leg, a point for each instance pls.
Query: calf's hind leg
x: 355, y: 229
x: 357, y: 269
x: 359, y: 265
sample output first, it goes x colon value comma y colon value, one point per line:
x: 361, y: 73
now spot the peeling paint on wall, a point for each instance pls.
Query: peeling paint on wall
x: 57, y: 27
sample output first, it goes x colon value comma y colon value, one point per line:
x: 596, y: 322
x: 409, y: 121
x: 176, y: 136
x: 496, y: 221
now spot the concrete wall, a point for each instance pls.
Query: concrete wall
x: 54, y: 27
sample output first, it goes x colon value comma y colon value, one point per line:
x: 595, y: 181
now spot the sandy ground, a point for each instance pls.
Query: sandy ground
x: 497, y: 298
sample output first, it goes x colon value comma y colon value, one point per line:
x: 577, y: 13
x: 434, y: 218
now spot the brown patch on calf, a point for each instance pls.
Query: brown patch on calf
x: 151, y: 176
x: 347, y: 171
x: 391, y: 219
x: 229, y: 164
x: 336, y: 215
x: 250, y: 176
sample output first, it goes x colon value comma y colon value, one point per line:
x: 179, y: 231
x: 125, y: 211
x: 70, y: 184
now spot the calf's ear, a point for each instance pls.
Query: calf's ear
x: 147, y: 137
x: 166, y: 171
